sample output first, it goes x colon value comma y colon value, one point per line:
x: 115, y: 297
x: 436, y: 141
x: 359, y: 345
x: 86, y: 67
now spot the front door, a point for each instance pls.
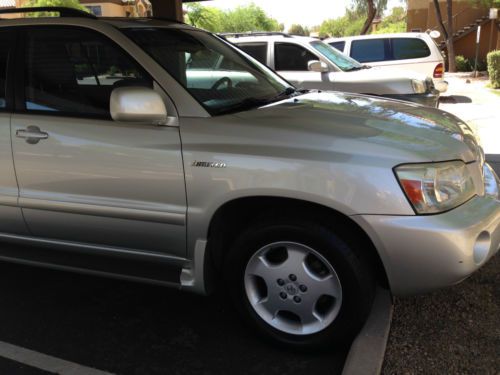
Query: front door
x: 291, y: 61
x: 83, y: 177
x: 11, y: 219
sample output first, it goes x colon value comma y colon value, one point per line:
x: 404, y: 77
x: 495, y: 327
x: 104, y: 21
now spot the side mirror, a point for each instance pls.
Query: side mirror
x: 318, y: 66
x: 137, y: 104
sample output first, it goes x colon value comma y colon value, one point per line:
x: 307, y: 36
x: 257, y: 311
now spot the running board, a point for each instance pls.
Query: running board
x: 116, y: 264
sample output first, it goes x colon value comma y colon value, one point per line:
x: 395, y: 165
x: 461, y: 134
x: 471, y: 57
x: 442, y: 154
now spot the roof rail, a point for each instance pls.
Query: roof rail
x: 255, y: 33
x: 63, y: 12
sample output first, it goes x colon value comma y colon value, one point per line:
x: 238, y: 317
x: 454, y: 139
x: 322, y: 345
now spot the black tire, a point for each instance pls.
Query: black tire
x: 337, y: 246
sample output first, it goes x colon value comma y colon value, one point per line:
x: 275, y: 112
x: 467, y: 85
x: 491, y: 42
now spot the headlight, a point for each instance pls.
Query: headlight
x: 491, y: 182
x: 418, y: 86
x: 436, y: 187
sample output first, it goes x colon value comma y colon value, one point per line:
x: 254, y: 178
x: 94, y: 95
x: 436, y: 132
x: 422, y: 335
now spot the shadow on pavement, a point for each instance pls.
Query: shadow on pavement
x: 129, y: 328
x: 455, y: 99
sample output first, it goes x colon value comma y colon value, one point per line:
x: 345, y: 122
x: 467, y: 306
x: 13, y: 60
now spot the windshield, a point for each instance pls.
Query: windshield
x: 342, y: 61
x: 218, y: 76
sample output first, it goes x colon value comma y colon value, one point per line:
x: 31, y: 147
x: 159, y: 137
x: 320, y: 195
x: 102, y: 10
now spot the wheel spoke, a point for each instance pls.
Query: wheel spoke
x: 327, y: 286
x: 272, y: 304
x: 261, y: 267
x: 295, y: 260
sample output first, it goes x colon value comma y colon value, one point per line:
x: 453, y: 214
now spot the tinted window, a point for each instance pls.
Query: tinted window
x: 338, y: 45
x: 409, y: 48
x: 257, y: 50
x: 217, y: 75
x: 4, y: 57
x: 369, y: 50
x: 291, y: 57
x: 74, y: 71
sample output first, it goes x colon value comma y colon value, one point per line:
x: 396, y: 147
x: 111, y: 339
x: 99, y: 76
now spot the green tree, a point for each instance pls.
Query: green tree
x: 349, y: 24
x: 241, y: 19
x: 297, y: 29
x: 393, y: 23
x: 369, y: 8
x: 53, y: 3
x: 248, y: 18
x: 208, y: 18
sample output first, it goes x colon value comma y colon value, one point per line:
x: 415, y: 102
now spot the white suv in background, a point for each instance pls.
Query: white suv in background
x: 411, y: 51
x: 309, y: 63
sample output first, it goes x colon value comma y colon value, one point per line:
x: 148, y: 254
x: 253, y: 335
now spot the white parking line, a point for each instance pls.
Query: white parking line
x: 45, y: 362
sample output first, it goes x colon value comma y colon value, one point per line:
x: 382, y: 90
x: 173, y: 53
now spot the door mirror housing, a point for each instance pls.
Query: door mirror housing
x: 318, y: 66
x: 137, y: 104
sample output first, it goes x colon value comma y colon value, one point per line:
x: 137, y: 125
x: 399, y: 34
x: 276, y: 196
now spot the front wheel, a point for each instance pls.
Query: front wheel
x: 300, y: 283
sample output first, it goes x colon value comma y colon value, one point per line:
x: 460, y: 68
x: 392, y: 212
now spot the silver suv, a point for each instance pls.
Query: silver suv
x: 311, y: 64
x: 120, y: 156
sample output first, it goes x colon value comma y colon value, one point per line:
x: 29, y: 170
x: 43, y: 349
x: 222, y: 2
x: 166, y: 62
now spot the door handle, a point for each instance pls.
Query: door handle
x: 32, y: 134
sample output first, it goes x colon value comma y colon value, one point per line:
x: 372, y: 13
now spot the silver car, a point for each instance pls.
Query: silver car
x: 121, y: 155
x: 311, y: 64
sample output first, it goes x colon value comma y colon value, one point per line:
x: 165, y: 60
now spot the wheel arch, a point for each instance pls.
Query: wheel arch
x: 232, y: 217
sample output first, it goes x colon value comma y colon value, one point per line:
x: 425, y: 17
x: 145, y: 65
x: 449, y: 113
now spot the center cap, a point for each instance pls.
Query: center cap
x: 291, y: 289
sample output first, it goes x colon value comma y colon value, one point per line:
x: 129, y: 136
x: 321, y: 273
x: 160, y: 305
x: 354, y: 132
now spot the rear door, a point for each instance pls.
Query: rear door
x: 373, y: 52
x: 83, y: 177
x: 11, y: 220
x: 258, y: 50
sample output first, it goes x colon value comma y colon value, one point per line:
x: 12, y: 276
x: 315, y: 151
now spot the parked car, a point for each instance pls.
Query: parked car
x: 296, y: 203
x: 311, y: 64
x: 410, y: 51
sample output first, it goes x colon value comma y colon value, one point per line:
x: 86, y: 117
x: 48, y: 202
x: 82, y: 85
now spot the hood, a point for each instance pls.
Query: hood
x: 369, y: 125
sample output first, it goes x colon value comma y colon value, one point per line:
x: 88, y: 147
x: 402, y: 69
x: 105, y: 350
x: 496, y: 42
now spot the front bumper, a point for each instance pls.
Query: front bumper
x: 422, y: 253
x: 430, y: 99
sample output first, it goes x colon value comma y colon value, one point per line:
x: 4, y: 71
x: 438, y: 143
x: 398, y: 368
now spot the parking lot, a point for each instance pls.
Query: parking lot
x: 127, y: 328
x: 451, y: 331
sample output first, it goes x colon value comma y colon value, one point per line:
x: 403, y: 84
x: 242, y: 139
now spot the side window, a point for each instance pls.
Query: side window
x: 409, y: 48
x: 202, y: 60
x: 257, y: 50
x: 74, y: 71
x: 289, y: 56
x: 4, y: 57
x: 369, y: 50
x: 338, y: 45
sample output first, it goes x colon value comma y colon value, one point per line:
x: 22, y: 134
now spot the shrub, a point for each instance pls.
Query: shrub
x: 493, y: 59
x: 482, y: 66
x: 462, y: 64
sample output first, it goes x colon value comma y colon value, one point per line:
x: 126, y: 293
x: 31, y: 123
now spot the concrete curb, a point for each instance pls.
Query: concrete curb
x: 366, y: 355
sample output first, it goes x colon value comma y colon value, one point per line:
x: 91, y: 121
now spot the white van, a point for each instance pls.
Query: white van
x: 411, y: 51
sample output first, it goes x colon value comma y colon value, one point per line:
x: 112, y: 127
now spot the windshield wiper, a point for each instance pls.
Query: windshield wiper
x: 354, y: 68
x: 251, y: 103
x: 244, y: 105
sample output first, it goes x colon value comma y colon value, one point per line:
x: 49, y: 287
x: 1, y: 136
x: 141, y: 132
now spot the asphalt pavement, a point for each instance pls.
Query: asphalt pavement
x: 450, y: 331
x: 127, y: 328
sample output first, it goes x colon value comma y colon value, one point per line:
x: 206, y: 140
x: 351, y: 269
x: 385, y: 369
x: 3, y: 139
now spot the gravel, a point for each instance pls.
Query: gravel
x: 452, y: 331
